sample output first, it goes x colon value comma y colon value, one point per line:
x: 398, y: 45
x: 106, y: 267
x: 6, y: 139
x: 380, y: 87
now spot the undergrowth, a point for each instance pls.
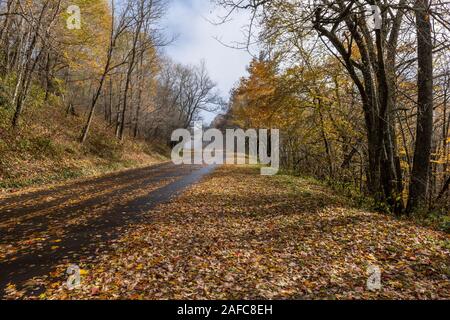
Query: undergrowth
x: 45, y: 148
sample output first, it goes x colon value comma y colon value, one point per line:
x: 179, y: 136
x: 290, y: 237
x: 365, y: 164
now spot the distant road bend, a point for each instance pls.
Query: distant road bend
x: 77, y: 220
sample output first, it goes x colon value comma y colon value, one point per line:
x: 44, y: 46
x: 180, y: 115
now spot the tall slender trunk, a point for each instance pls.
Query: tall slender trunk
x: 110, y: 100
x: 421, y: 163
x: 131, y: 65
x: 112, y: 42
x: 139, y: 96
x: 4, y: 33
x: 94, y: 103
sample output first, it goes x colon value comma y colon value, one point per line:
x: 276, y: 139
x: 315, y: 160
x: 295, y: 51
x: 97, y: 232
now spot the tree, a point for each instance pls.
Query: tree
x: 115, y: 32
x: 380, y: 63
x: 143, y: 13
x: 424, y: 131
x: 37, y: 22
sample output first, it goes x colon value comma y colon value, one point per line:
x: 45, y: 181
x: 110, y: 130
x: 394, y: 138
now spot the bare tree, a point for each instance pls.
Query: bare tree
x: 116, y: 31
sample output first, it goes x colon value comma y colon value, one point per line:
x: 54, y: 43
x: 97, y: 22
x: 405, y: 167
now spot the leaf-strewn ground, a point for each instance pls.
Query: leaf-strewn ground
x: 41, y: 152
x: 239, y: 235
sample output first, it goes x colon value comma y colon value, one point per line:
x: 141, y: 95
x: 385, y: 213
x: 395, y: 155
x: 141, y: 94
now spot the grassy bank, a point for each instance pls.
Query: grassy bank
x: 41, y: 151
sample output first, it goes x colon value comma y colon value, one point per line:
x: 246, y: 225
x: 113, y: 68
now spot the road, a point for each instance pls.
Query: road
x: 76, y: 221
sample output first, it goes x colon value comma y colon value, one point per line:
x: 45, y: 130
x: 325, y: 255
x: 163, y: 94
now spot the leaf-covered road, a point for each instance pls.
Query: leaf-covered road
x: 237, y: 235
x: 77, y: 221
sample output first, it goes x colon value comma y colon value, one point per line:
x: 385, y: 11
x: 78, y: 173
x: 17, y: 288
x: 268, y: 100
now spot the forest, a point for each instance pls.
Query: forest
x: 366, y: 109
x: 92, y: 206
x: 87, y: 61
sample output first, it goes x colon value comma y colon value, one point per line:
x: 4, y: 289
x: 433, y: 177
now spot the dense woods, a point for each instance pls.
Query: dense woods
x: 360, y: 105
x: 363, y: 107
x: 110, y: 65
x: 91, y: 207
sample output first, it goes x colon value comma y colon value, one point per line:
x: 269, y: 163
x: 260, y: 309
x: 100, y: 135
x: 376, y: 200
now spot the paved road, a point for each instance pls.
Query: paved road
x: 76, y: 221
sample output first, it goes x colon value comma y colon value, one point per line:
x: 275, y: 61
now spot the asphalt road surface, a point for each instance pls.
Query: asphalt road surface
x: 76, y: 221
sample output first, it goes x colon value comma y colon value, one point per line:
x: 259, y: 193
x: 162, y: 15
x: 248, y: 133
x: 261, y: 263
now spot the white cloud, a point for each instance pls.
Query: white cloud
x: 196, y: 41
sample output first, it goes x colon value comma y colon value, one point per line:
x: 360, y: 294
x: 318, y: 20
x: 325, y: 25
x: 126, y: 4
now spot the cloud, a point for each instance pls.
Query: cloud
x: 197, y: 40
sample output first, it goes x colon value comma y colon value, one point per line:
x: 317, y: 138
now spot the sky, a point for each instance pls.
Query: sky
x: 197, y: 37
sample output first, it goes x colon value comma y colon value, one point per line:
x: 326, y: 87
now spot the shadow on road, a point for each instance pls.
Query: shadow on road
x: 82, y: 241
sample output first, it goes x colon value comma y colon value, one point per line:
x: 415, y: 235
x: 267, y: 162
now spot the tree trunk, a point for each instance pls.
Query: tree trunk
x: 421, y: 163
